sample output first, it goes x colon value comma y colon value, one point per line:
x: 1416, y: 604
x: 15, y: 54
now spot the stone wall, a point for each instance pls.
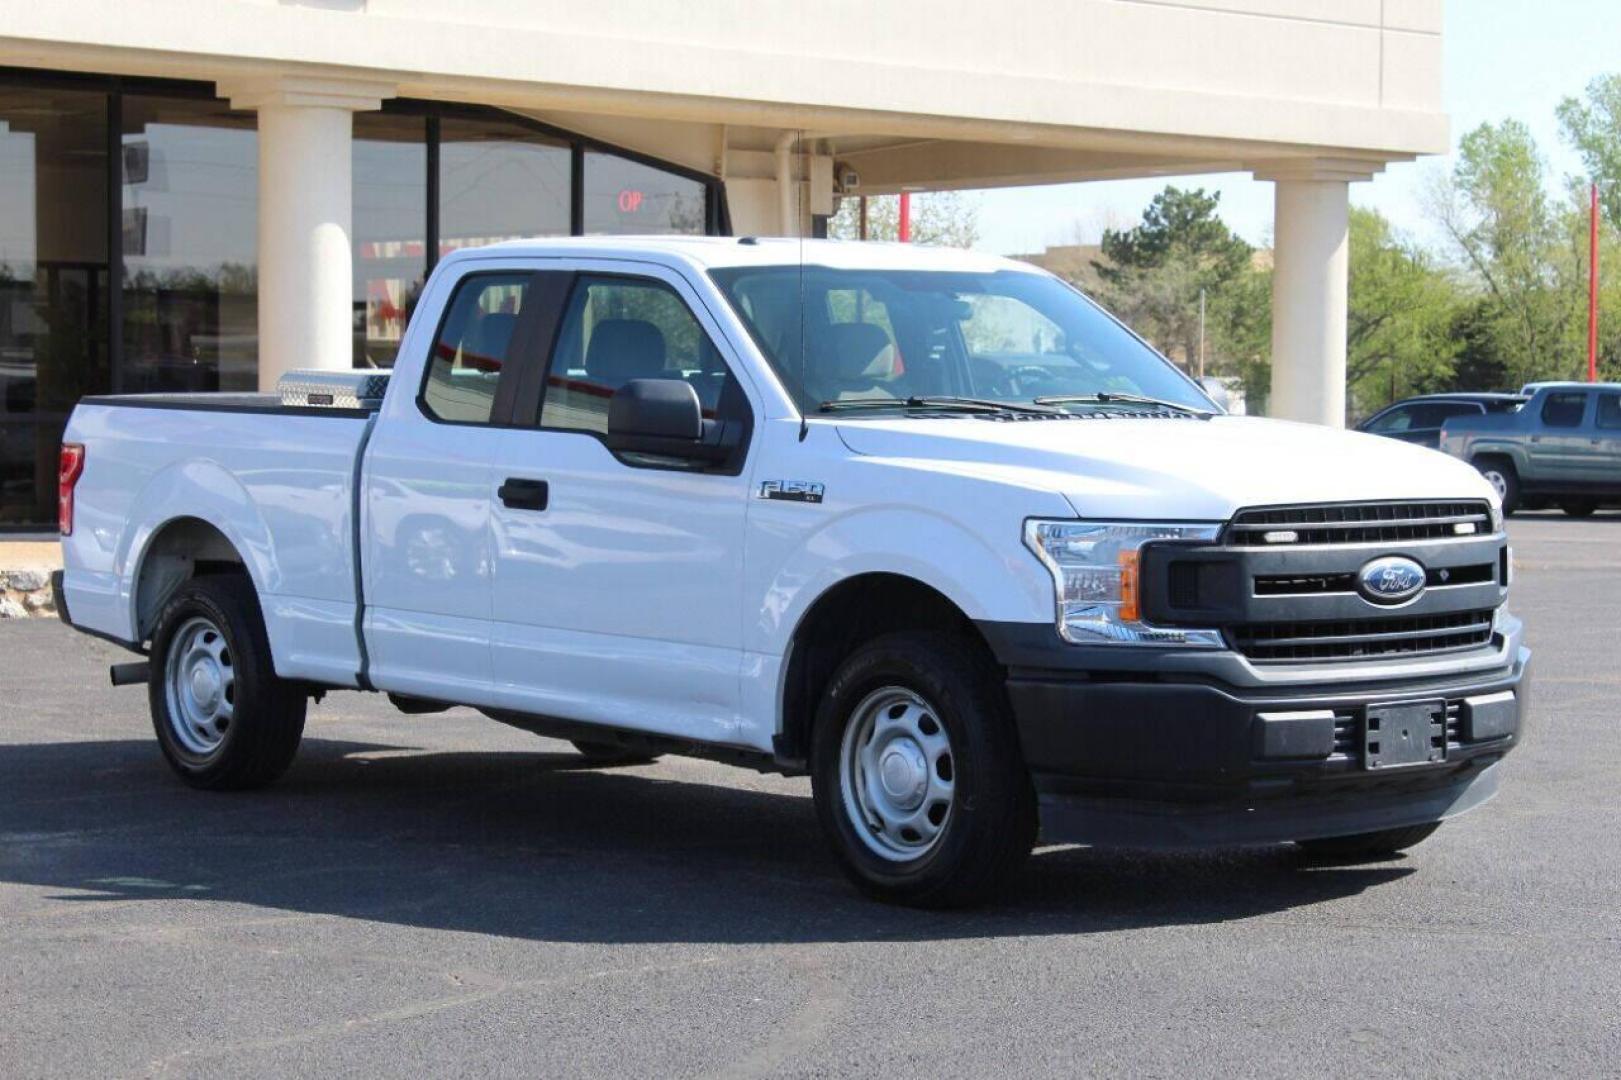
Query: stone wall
x: 24, y: 593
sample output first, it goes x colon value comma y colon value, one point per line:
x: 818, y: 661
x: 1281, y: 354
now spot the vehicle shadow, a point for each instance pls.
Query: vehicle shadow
x: 531, y: 846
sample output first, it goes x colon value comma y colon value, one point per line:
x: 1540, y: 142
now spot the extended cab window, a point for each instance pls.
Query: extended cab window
x: 1564, y: 410
x: 1609, y: 412
x: 471, y: 349
x: 616, y: 329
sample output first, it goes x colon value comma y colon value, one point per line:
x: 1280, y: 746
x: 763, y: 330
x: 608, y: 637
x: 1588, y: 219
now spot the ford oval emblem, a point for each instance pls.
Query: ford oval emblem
x: 1390, y: 580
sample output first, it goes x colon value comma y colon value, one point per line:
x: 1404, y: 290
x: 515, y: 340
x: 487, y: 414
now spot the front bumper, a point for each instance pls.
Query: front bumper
x: 1181, y: 757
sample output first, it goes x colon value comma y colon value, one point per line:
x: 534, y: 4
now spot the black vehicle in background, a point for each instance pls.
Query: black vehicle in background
x: 1419, y: 419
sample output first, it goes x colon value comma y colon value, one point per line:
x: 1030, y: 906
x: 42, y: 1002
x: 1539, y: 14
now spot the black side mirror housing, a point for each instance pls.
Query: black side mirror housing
x: 663, y: 418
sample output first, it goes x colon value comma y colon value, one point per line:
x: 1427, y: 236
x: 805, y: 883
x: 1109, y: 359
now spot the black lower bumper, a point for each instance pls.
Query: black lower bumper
x: 1154, y: 760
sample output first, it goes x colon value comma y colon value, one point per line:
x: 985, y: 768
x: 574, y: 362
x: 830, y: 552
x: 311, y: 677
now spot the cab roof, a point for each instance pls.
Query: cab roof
x: 711, y: 252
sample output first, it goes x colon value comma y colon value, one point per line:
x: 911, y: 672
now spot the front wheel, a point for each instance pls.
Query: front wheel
x: 918, y: 780
x: 223, y: 718
x: 1370, y: 845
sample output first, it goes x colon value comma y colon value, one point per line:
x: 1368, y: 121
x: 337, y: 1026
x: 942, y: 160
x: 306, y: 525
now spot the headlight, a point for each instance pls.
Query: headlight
x: 1095, y: 569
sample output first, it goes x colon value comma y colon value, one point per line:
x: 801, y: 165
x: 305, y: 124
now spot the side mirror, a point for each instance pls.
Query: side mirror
x: 661, y: 417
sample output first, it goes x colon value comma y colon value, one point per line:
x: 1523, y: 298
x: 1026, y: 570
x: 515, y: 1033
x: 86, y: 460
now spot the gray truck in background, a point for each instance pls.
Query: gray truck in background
x: 1562, y: 448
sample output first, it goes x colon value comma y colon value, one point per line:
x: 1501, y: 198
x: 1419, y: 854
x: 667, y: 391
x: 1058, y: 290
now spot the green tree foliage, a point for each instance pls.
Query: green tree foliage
x: 1152, y: 274
x: 1593, y: 127
x: 1400, y: 318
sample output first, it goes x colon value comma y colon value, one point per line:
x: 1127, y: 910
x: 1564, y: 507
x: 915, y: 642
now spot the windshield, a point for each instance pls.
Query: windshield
x: 1007, y: 336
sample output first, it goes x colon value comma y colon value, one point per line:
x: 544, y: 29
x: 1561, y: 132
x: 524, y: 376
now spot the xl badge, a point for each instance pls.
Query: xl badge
x: 1390, y: 580
x: 805, y: 491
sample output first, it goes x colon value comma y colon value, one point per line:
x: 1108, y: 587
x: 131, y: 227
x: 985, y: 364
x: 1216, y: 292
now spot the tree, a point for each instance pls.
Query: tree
x: 939, y: 218
x: 1400, y: 316
x: 1152, y: 275
x: 1517, y: 247
x: 1593, y: 127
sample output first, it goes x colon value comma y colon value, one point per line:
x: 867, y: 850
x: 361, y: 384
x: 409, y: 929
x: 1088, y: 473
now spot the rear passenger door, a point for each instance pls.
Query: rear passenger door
x: 1606, y: 442
x: 427, y: 492
x: 1557, y: 450
x: 618, y: 578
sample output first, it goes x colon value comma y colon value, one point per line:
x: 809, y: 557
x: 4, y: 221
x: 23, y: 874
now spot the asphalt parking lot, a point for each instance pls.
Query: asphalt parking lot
x: 443, y: 895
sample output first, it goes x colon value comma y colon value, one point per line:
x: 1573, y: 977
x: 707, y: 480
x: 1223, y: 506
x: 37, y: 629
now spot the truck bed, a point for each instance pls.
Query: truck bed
x: 278, y: 481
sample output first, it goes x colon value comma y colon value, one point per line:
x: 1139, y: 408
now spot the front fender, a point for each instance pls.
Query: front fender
x: 1002, y: 582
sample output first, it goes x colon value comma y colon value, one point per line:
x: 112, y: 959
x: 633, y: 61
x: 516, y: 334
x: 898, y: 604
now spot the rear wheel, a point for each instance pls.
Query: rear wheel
x: 1500, y: 474
x: 222, y: 716
x: 1578, y: 507
x: 1369, y: 845
x: 917, y: 775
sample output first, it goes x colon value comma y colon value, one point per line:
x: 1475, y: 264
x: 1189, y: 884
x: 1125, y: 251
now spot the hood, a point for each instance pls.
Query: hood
x: 1167, y: 469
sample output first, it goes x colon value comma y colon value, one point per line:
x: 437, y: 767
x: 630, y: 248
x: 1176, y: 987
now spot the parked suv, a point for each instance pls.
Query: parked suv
x: 930, y: 527
x: 1418, y: 419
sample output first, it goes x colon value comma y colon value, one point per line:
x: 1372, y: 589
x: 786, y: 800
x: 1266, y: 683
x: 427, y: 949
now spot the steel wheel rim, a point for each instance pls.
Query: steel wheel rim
x: 897, y: 774
x: 1498, y: 481
x: 199, y: 682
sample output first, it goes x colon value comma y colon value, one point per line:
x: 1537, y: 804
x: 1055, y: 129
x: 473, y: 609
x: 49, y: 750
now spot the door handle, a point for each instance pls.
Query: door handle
x: 521, y: 494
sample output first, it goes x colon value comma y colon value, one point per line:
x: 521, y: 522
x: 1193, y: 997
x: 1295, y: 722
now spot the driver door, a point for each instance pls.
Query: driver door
x: 618, y: 578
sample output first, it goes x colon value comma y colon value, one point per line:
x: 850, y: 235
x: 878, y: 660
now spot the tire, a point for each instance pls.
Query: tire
x: 224, y: 719
x: 1501, y: 475
x: 601, y: 753
x: 934, y: 713
x: 1579, y: 508
x: 1369, y: 845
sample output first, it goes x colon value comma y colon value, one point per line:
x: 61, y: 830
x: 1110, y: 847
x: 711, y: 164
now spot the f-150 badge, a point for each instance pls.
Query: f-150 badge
x: 806, y: 491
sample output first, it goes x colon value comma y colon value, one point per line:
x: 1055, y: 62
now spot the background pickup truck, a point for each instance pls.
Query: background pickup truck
x: 929, y: 527
x: 1563, y: 447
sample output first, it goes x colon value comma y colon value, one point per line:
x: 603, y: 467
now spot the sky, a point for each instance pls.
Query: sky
x: 1503, y: 58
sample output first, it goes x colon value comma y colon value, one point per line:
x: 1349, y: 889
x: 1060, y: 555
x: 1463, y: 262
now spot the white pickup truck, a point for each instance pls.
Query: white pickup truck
x: 928, y: 526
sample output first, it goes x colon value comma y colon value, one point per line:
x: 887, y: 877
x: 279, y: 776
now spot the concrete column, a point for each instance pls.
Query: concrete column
x: 1310, y: 280
x: 306, y: 259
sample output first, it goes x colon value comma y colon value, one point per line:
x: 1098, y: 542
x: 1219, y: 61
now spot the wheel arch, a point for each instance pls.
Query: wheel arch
x: 178, y: 550
x: 840, y: 620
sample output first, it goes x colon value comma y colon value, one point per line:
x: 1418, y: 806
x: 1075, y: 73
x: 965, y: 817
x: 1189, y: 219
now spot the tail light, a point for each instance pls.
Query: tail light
x: 67, y: 476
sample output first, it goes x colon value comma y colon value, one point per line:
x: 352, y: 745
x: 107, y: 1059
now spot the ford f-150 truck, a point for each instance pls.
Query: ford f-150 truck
x: 1561, y: 447
x: 930, y: 527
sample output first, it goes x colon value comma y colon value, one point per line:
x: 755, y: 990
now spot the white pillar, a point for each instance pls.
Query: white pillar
x: 1310, y: 279
x: 306, y: 261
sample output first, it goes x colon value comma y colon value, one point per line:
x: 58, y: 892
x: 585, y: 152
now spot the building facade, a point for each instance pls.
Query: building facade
x: 201, y: 194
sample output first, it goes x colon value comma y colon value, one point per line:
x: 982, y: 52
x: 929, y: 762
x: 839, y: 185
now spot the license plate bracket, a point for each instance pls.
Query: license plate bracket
x: 1405, y: 733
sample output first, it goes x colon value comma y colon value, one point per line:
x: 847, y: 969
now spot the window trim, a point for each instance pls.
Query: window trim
x: 1581, y: 419
x: 532, y: 411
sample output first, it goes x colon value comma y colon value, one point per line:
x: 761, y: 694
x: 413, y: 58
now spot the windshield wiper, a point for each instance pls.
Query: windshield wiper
x: 944, y: 402
x: 1108, y: 397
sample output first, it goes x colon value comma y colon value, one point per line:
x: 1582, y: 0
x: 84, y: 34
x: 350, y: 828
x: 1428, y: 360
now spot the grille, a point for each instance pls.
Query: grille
x: 1363, y: 638
x: 1321, y: 584
x: 1359, y: 523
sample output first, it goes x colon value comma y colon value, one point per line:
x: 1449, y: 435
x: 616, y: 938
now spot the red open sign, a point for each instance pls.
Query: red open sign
x: 630, y: 200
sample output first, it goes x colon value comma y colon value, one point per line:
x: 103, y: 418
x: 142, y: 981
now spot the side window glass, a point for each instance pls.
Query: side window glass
x: 1394, y: 420
x: 1564, y: 410
x: 1609, y: 412
x: 472, y: 347
x: 618, y: 329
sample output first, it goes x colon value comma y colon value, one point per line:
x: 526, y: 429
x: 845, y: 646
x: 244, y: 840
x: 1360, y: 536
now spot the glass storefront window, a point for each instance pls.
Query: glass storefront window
x: 624, y: 196
x: 499, y: 181
x: 177, y: 266
x: 53, y: 284
x: 190, y: 183
x: 390, y: 230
